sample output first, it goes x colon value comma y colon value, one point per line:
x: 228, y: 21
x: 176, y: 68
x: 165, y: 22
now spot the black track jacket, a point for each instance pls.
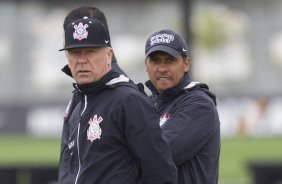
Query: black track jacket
x: 111, y: 136
x: 190, y: 122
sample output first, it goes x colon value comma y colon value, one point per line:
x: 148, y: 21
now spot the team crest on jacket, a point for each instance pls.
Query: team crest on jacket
x: 94, y: 131
x: 164, y: 118
x: 80, y: 31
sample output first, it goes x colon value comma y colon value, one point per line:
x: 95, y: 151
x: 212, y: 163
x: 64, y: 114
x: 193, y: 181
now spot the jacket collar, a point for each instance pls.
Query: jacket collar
x: 171, y: 92
x: 184, y: 85
x: 110, y: 80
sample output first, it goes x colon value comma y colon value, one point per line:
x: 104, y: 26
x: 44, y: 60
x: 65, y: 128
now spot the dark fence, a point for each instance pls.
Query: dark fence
x: 29, y: 175
x: 266, y: 172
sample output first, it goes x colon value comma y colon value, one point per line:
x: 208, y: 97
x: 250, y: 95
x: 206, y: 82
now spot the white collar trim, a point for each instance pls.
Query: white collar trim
x: 191, y: 85
x: 121, y: 78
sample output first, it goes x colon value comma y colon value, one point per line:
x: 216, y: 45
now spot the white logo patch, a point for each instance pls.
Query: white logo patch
x: 163, y: 119
x: 80, y: 31
x: 161, y: 38
x: 94, y: 131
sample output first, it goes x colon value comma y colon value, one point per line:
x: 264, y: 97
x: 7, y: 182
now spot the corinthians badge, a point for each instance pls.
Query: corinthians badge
x: 80, y: 31
x: 163, y: 119
x: 94, y: 131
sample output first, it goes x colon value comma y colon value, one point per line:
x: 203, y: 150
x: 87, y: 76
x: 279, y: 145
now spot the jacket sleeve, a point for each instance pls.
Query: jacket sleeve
x: 190, y: 126
x: 145, y: 140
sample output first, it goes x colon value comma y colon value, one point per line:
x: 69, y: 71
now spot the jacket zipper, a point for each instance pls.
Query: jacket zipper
x: 77, y: 140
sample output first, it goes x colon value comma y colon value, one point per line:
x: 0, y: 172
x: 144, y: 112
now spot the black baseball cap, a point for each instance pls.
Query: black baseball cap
x: 86, y: 32
x: 167, y: 41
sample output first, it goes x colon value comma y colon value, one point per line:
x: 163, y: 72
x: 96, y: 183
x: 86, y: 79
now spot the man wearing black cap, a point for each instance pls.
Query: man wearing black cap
x: 90, y: 12
x: 187, y: 110
x: 110, y: 126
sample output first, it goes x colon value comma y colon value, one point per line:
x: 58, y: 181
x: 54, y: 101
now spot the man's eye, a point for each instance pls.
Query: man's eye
x: 91, y: 51
x: 154, y: 61
x: 72, y: 51
x: 172, y: 60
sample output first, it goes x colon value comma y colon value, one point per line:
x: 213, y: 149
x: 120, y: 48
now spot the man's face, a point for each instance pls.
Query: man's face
x: 164, y: 70
x: 89, y: 64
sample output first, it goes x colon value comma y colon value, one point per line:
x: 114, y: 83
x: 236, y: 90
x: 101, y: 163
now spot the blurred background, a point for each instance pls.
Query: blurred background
x: 236, y: 48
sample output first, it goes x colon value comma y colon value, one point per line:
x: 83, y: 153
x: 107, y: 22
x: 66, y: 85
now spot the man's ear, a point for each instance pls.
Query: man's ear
x: 110, y: 55
x: 187, y: 64
x: 145, y: 62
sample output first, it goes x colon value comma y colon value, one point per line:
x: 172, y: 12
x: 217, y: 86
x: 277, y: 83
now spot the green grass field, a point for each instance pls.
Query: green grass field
x: 20, y: 150
x: 235, y: 154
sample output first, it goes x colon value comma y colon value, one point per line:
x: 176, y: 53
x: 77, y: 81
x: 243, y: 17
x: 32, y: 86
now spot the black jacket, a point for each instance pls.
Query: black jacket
x: 190, y: 122
x: 110, y: 136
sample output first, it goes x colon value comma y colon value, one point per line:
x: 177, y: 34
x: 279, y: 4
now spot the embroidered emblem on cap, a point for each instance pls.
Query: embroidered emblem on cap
x: 161, y: 38
x: 94, y: 131
x: 80, y: 31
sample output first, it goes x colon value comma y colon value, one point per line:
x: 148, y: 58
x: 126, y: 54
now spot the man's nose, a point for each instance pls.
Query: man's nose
x: 82, y: 57
x: 162, y: 67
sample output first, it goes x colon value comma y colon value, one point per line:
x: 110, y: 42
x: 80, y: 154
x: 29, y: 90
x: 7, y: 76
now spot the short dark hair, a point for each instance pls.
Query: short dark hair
x: 82, y: 11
